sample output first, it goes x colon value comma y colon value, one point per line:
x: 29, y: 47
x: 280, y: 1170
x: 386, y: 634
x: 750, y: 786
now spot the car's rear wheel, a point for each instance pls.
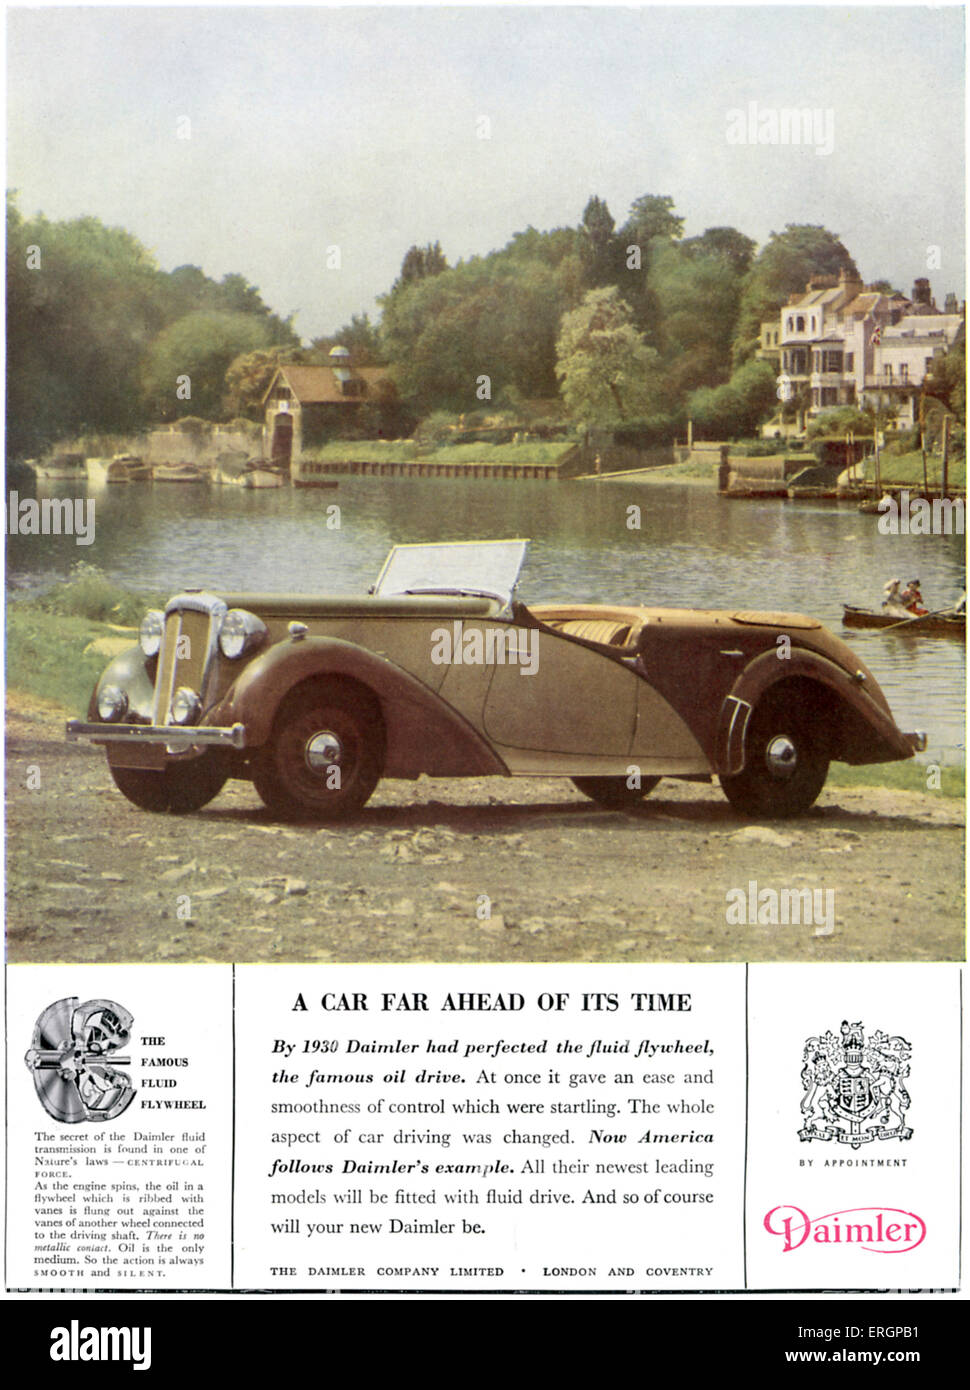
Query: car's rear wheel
x: 614, y: 792
x: 324, y: 754
x: 178, y: 788
x: 786, y: 765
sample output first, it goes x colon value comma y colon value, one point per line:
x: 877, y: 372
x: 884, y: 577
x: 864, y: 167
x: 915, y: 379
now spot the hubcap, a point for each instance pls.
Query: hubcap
x: 322, y: 751
x: 781, y: 756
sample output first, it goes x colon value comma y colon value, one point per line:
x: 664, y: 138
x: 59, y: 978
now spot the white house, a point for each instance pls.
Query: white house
x: 847, y: 344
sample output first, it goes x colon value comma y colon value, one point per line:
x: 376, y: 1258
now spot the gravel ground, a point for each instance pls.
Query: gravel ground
x: 90, y: 878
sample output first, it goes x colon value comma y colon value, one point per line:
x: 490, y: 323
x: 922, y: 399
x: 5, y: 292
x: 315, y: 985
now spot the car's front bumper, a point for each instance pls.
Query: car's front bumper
x: 173, y: 736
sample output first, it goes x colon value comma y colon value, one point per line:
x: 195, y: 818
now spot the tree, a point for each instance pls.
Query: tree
x: 783, y: 268
x: 946, y: 381
x: 187, y: 290
x: 608, y: 373
x: 696, y: 292
x: 652, y: 216
x: 420, y: 263
x: 185, y: 368
x: 360, y: 337
x: 735, y: 409
x: 552, y: 248
x: 727, y: 242
x: 82, y: 303
x: 839, y: 420
x: 492, y: 317
x: 599, y: 244
x: 248, y: 377
x: 651, y: 228
x: 86, y: 304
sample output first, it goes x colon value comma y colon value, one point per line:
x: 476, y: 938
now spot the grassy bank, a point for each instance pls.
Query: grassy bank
x: 905, y: 777
x: 409, y: 451
x: 903, y: 470
x: 697, y: 473
x: 59, y: 643
x: 51, y: 656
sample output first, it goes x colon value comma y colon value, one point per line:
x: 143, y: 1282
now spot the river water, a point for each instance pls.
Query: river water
x: 692, y: 549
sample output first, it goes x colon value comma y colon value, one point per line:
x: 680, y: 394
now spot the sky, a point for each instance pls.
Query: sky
x: 254, y: 140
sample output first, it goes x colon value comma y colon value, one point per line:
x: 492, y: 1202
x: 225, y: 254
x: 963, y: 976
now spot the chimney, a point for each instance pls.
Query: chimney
x: 921, y: 292
x: 850, y: 283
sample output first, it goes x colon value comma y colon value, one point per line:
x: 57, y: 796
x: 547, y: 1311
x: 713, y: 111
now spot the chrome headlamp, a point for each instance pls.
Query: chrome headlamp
x: 112, y: 703
x: 186, y: 706
x: 151, y: 632
x: 240, y: 633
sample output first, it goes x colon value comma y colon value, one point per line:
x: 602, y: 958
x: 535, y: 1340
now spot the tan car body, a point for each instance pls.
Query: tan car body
x: 616, y: 691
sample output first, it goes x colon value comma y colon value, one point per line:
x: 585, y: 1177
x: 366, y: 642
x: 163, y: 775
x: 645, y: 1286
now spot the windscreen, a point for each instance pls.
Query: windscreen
x: 454, y: 567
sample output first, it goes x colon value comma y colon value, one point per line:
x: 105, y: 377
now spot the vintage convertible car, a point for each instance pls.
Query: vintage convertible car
x: 441, y: 670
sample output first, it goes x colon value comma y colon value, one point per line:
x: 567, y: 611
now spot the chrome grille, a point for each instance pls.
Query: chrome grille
x: 189, y: 644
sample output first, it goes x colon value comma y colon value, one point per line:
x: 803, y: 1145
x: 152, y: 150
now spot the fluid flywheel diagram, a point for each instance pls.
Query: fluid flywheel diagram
x: 74, y: 1060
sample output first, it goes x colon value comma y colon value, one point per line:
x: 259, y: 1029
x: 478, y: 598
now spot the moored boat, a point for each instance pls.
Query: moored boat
x: 97, y: 471
x: 755, y: 494
x: 946, y: 623
x: 129, y: 468
x: 121, y: 468
x: 178, y: 473
x: 61, y: 468
x: 229, y: 469
x: 262, y: 475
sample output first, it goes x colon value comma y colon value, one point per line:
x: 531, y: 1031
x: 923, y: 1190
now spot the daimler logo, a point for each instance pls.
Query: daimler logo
x: 880, y: 1230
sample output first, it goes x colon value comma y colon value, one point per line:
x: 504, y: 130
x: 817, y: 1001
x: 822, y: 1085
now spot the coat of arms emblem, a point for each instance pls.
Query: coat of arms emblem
x: 854, y: 1087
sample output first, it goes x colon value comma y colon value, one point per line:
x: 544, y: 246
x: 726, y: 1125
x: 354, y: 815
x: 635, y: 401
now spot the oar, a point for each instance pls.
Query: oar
x: 919, y: 618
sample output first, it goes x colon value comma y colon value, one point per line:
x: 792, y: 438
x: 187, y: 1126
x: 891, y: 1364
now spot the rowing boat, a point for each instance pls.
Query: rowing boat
x: 950, y: 624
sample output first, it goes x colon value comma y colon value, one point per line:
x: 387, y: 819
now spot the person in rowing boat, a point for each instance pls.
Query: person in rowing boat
x: 893, y: 599
x: 912, y: 599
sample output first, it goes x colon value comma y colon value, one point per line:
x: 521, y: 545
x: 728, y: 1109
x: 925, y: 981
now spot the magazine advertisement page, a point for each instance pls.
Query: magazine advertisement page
x: 485, y: 672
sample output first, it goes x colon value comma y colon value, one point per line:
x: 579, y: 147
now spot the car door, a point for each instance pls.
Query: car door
x: 575, y: 700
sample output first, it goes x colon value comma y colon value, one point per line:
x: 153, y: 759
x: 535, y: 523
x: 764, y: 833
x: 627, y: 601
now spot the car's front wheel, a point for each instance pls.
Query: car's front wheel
x: 615, y: 792
x: 324, y: 754
x: 786, y: 765
x: 178, y: 788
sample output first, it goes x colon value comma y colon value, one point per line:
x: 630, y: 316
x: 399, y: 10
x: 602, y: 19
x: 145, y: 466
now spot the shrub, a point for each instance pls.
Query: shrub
x: 903, y: 442
x: 839, y: 420
x: 438, y: 426
x: 649, y: 433
x: 759, y: 448
x: 89, y: 593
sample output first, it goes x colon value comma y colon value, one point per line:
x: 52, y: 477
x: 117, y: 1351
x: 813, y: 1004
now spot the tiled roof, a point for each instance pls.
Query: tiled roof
x: 916, y: 327
x: 322, y: 385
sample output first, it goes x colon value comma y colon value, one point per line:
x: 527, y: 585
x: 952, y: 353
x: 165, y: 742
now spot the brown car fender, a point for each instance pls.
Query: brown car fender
x: 422, y: 732
x: 135, y: 674
x: 859, y: 729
